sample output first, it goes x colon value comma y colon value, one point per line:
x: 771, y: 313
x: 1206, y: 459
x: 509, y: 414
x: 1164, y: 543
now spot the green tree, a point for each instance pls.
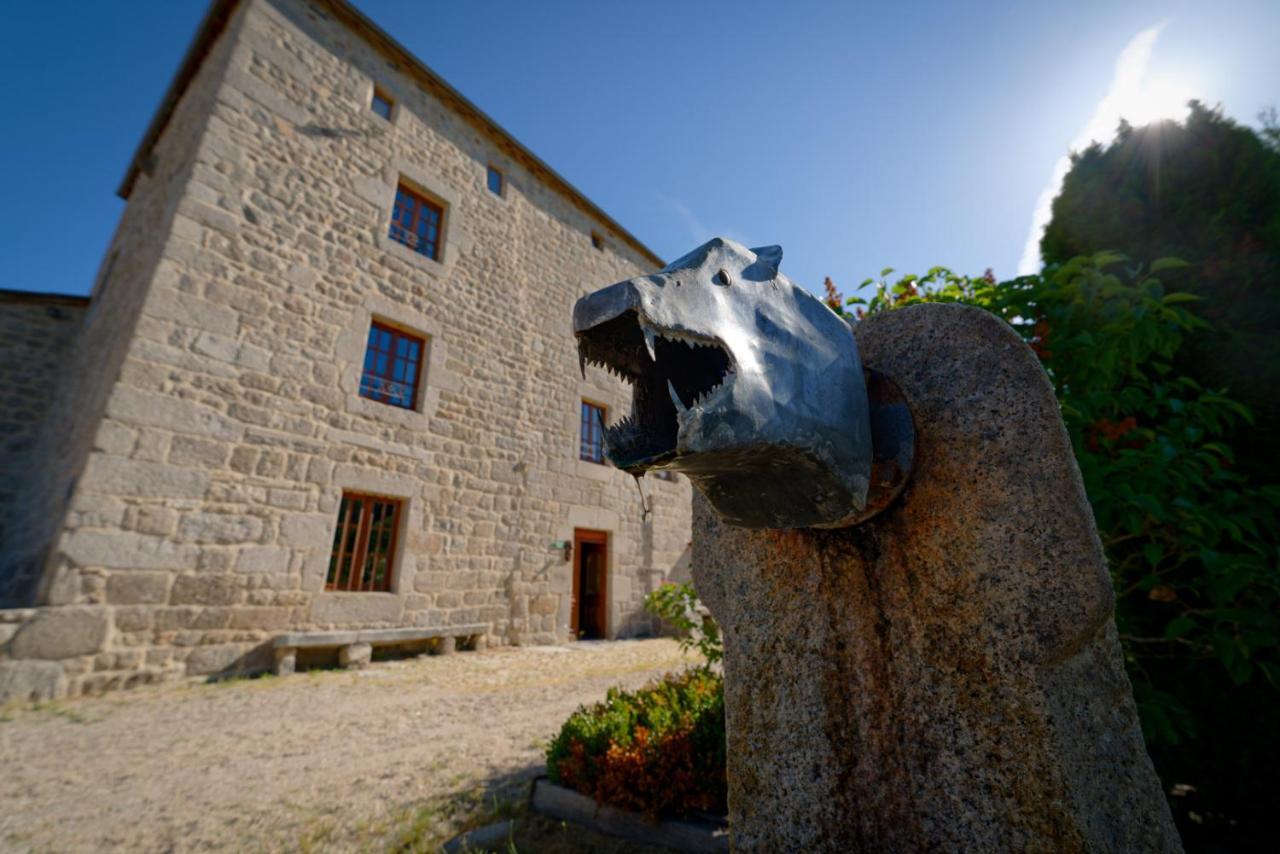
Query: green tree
x: 1191, y: 542
x: 1208, y: 191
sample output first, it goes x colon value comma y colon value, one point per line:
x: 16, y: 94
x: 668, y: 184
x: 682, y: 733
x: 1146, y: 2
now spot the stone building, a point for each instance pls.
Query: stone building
x: 325, y: 381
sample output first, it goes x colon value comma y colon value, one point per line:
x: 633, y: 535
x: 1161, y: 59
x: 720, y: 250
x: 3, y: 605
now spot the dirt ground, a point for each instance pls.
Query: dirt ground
x: 322, y: 760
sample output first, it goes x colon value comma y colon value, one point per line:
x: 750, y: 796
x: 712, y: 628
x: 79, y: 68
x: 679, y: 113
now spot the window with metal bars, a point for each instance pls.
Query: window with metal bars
x: 417, y: 223
x: 392, y: 365
x: 591, y: 433
x: 364, y: 543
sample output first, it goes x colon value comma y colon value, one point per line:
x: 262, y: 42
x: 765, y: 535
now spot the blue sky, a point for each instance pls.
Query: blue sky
x: 858, y: 136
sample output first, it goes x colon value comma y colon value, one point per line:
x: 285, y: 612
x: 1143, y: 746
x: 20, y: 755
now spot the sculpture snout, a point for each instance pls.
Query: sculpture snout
x: 605, y: 305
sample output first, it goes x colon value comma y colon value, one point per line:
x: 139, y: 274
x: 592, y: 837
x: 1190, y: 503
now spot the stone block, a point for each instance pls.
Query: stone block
x: 206, y: 589
x: 215, y: 560
x: 134, y: 619
x: 97, y: 511
x: 244, y: 460
x: 126, y: 550
x: 138, y: 588
x: 115, y: 438
x: 225, y: 528
x: 216, y: 658
x: 106, y: 475
x: 169, y: 412
x: 150, y: 519
x: 355, y: 656
x: 58, y: 633
x: 346, y: 608
x: 309, y: 530
x: 219, y: 347
x: 265, y: 619
x: 263, y: 559
x: 197, y: 452
x: 180, y: 307
x: 31, y: 681
x: 176, y: 618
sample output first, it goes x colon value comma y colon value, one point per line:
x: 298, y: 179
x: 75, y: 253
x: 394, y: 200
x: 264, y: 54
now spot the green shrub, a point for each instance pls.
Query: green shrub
x: 659, y: 750
x: 678, y: 605
x: 1190, y: 539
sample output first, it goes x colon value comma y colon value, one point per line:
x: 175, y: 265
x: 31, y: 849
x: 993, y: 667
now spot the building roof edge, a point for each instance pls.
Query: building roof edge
x: 42, y: 297
x: 215, y: 21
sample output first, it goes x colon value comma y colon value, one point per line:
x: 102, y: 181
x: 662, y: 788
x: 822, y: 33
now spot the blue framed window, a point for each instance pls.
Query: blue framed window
x: 417, y: 222
x: 496, y: 181
x: 392, y: 366
x: 591, y: 433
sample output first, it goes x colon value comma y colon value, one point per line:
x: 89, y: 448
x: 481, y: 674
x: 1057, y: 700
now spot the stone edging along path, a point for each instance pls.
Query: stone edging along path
x: 689, y: 835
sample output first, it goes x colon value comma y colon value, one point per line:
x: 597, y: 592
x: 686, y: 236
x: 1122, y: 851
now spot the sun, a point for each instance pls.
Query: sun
x: 1154, y: 100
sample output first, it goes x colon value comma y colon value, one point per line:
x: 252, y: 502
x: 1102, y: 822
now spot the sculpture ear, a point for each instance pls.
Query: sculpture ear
x: 770, y: 256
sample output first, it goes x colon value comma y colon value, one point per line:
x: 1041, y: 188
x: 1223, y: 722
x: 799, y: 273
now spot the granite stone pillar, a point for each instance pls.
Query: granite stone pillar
x: 945, y: 676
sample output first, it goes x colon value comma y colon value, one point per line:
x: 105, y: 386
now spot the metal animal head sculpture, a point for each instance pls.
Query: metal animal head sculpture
x: 740, y: 379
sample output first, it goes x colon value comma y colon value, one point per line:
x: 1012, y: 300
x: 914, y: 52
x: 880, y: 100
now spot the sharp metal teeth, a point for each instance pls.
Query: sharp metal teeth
x: 648, y: 343
x: 582, y: 363
x: 675, y: 399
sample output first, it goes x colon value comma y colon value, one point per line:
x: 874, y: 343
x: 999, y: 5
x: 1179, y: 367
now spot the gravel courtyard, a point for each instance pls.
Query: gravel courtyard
x: 320, y: 760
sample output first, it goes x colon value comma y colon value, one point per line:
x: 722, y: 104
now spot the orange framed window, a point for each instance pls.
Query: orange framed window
x: 364, y: 543
x: 392, y: 366
x: 418, y: 223
x: 591, y: 433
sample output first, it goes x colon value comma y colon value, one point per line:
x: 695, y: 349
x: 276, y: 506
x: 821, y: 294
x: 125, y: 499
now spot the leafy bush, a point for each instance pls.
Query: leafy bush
x: 678, y: 605
x: 659, y: 750
x: 1206, y: 190
x: 1191, y: 542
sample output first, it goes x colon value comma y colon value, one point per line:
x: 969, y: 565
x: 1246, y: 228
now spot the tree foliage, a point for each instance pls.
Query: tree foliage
x: 1191, y: 542
x: 1208, y: 191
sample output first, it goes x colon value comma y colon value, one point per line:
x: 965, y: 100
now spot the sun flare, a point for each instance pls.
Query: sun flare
x: 1153, y: 101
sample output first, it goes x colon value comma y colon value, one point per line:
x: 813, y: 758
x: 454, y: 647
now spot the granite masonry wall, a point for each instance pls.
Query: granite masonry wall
x: 36, y: 331
x: 223, y: 355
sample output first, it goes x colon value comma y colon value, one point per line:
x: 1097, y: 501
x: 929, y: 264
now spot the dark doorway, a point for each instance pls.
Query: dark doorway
x: 590, y: 583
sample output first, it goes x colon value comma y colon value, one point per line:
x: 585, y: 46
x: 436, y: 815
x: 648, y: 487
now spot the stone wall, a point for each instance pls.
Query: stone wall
x: 203, y: 520
x: 36, y: 334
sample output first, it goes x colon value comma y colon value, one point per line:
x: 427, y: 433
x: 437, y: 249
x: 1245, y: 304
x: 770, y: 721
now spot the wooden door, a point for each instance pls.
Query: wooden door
x: 588, y: 616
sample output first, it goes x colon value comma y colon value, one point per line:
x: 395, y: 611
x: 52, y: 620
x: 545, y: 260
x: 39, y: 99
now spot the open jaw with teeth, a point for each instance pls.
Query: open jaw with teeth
x: 671, y: 373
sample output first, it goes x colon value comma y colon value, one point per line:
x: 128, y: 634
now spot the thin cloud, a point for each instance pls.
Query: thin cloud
x: 698, y: 232
x: 1126, y: 84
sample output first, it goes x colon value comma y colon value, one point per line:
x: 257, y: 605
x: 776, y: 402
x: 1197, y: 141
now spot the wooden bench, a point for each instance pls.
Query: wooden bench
x: 355, y: 646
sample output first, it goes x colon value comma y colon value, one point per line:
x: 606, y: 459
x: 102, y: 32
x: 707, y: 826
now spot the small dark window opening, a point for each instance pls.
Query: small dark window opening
x: 382, y: 104
x: 496, y: 181
x: 364, y: 543
x: 392, y: 366
x: 417, y: 222
x: 597, y: 241
x: 591, y: 433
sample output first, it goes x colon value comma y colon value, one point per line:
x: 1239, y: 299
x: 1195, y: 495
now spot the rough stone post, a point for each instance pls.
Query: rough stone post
x: 945, y: 676
x: 286, y: 661
x: 355, y: 656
